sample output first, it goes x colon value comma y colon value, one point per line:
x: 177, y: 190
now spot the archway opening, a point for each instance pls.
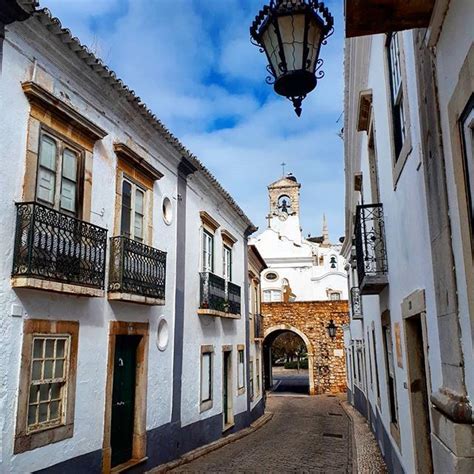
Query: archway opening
x: 287, y: 360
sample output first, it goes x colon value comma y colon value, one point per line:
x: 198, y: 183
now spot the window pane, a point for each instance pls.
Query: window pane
x: 49, y: 353
x: 48, y: 369
x: 44, y: 392
x: 60, y: 347
x: 54, y: 410
x: 46, y: 185
x: 38, y: 348
x: 55, y: 390
x: 32, y: 412
x: 43, y: 412
x: 68, y: 195
x: 126, y: 208
x: 139, y: 201
x: 69, y: 165
x: 36, y: 372
x: 138, y: 227
x: 47, y: 157
x: 34, y: 391
x: 59, y: 369
x: 206, y: 377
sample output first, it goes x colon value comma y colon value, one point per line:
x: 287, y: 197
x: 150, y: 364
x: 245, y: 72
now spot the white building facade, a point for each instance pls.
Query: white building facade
x: 124, y: 327
x: 299, y: 269
x: 408, y: 154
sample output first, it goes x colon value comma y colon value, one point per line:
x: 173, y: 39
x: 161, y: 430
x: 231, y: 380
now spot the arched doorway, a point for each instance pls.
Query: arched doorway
x: 271, y: 334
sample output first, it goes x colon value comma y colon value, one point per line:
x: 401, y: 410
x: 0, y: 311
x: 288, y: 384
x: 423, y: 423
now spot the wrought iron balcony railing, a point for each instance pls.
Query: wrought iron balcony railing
x: 52, y: 246
x: 218, y: 294
x: 258, y: 326
x: 371, y: 251
x: 356, y: 303
x: 136, y: 268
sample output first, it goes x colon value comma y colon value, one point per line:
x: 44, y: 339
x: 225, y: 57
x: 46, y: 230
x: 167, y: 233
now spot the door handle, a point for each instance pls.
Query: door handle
x: 120, y: 404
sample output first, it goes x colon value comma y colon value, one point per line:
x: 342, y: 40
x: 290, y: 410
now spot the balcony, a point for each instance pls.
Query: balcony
x: 356, y: 303
x: 218, y: 297
x: 371, y: 251
x: 369, y: 17
x: 56, y: 252
x: 137, y: 272
x: 258, y: 327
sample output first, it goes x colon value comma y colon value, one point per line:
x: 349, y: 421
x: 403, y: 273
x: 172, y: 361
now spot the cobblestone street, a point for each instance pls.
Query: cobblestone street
x: 306, y: 434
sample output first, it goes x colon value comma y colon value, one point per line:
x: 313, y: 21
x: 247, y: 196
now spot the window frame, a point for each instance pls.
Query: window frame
x: 207, y: 234
x: 26, y: 439
x: 206, y: 404
x: 227, y: 262
x: 135, y: 186
x: 62, y: 143
x: 400, y: 99
x: 466, y: 124
x: 240, y: 369
x: 251, y: 376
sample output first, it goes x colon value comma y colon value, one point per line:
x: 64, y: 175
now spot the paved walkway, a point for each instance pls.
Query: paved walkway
x: 305, y: 435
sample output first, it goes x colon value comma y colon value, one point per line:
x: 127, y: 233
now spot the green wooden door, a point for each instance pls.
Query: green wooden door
x: 123, y: 398
x: 226, y: 387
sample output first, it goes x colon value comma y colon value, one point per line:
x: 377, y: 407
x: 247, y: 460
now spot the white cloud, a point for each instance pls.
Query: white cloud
x: 192, y: 62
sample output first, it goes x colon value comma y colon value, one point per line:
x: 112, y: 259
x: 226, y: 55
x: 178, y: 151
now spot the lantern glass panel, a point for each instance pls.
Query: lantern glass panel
x: 270, y: 43
x: 314, y: 43
x: 292, y: 37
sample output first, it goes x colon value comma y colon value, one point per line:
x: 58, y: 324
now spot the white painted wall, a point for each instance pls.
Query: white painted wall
x: 298, y: 262
x: 104, y: 107
x: 457, y: 30
x: 209, y: 330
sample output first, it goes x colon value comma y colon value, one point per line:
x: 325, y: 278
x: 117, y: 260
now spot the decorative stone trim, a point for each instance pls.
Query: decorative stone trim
x: 47, y: 285
x: 364, y: 110
x: 228, y: 238
x: 221, y: 314
x: 209, y: 221
x: 137, y: 161
x: 39, y: 95
x: 127, y: 328
x: 23, y: 440
x: 130, y: 298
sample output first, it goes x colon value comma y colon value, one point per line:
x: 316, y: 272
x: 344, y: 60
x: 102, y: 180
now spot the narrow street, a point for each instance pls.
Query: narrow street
x: 290, y: 381
x: 306, y: 434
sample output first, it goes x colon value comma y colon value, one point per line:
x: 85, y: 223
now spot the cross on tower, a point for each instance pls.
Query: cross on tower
x: 283, y: 168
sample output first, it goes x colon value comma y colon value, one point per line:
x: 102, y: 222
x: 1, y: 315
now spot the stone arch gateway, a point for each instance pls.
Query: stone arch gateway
x: 309, y: 320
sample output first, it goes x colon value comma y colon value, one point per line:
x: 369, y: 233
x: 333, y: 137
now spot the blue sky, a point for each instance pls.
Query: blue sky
x: 192, y: 63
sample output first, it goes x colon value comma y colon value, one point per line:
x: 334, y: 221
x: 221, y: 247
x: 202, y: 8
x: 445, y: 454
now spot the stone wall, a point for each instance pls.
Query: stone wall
x: 311, y: 318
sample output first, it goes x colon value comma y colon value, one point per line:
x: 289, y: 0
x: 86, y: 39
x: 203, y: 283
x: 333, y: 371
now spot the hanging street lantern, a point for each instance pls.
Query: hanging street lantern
x: 332, y: 328
x: 291, y: 32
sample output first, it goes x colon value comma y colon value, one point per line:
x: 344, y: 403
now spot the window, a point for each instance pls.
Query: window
x: 206, y: 378
x: 47, y: 383
x: 271, y: 276
x: 334, y: 295
x: 374, y: 351
x: 132, y: 224
x: 467, y: 132
x: 257, y: 376
x: 390, y: 369
x: 207, y: 251
x: 271, y: 296
x: 58, y: 174
x: 251, y: 379
x: 396, y: 91
x: 241, y: 369
x: 227, y: 263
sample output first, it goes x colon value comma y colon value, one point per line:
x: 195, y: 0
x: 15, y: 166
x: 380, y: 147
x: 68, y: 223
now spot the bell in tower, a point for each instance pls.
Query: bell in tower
x: 284, y: 197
